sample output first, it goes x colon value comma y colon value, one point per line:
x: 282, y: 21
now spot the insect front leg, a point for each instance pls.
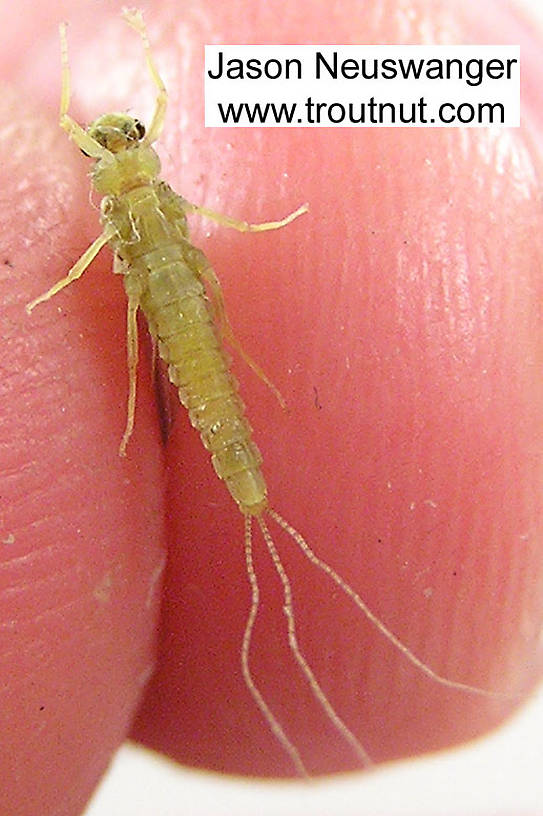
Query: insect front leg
x: 134, y: 18
x: 244, y: 226
x: 74, y: 130
x: 77, y: 269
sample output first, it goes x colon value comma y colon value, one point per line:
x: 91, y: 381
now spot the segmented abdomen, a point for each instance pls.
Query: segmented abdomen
x: 177, y: 312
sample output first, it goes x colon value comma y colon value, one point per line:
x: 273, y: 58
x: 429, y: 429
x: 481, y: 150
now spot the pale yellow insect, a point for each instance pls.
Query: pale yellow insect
x: 145, y: 224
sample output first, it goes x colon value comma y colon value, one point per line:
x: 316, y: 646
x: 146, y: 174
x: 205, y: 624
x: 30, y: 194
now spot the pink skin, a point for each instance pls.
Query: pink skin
x: 401, y: 320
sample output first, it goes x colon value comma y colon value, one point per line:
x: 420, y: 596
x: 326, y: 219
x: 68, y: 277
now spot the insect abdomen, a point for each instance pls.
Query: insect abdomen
x: 177, y: 312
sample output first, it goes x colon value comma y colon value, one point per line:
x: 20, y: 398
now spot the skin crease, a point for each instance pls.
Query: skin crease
x: 401, y: 320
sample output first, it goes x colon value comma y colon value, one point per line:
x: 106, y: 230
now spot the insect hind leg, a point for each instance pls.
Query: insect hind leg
x: 225, y: 327
x: 132, y: 359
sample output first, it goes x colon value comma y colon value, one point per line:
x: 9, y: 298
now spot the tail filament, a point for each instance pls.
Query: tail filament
x: 372, y: 617
x: 317, y: 691
x: 265, y: 710
x: 288, y: 609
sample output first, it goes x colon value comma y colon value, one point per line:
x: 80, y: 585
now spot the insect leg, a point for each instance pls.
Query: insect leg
x: 224, y: 325
x: 74, y: 130
x: 244, y: 226
x: 77, y: 269
x: 134, y: 18
x: 132, y: 358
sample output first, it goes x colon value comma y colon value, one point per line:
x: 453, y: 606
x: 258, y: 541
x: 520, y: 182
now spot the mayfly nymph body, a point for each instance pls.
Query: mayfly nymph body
x: 144, y: 222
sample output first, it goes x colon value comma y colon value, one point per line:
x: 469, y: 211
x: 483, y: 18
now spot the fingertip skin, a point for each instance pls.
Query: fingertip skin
x: 400, y: 318
x: 82, y: 531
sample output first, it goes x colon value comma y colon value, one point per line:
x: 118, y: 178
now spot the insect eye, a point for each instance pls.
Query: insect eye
x: 140, y: 129
x: 106, y: 206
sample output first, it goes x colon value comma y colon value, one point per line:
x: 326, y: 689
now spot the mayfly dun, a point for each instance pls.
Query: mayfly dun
x: 144, y: 222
